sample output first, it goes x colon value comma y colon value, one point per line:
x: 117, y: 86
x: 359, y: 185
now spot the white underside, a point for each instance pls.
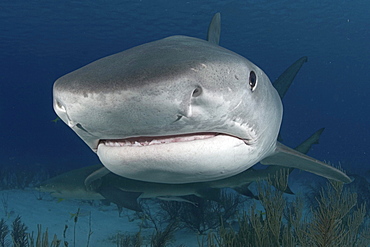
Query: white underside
x: 180, y: 162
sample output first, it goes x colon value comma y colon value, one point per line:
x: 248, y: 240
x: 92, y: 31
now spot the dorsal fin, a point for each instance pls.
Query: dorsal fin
x: 283, y: 82
x: 214, y: 29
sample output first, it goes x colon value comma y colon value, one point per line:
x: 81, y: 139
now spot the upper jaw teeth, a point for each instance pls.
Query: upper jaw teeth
x: 140, y: 142
x: 154, y: 142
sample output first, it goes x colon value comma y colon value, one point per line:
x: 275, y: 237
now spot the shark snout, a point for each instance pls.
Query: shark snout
x: 60, y: 110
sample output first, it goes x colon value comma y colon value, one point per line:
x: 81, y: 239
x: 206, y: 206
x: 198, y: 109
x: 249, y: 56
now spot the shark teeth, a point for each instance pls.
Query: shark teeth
x: 156, y: 140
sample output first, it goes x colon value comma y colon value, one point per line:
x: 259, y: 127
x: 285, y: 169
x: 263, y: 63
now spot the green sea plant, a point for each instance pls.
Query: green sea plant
x: 256, y: 227
x: 42, y: 239
x: 75, y: 219
x: 201, y: 215
x: 90, y: 231
x: 162, y: 237
x: 21, y: 238
x: 362, y: 186
x: 164, y: 224
x: 133, y: 240
x: 336, y: 221
x: 19, y: 234
x: 4, y: 230
x: 4, y: 202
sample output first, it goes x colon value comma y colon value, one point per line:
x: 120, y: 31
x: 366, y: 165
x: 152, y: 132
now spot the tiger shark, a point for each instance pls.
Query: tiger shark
x: 179, y: 110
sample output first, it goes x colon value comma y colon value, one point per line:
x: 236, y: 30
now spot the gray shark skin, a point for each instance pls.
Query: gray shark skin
x: 125, y: 192
x: 179, y: 110
x: 282, y: 87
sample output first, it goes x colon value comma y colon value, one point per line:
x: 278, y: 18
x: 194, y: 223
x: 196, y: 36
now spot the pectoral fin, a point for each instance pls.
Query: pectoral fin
x: 285, y: 156
x: 93, y: 181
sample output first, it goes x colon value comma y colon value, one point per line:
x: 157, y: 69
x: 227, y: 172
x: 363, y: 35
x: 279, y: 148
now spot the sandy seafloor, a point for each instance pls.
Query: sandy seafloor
x: 105, y: 222
x: 54, y: 214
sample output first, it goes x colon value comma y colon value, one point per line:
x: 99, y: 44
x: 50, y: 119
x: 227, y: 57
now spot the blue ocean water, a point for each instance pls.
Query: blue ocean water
x: 43, y: 40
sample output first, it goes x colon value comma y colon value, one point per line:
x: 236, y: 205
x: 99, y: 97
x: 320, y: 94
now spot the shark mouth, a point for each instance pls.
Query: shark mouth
x: 157, y: 140
x: 183, y: 158
x: 143, y: 141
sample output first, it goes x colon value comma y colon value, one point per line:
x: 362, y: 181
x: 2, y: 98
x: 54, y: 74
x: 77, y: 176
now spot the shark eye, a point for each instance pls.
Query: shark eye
x: 252, y: 80
x: 197, y: 92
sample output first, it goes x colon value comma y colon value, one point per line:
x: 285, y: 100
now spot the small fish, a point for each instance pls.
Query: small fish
x: 60, y: 200
x: 55, y: 120
x: 80, y: 213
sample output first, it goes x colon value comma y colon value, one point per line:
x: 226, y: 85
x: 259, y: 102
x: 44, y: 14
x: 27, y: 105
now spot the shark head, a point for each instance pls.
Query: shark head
x: 176, y: 110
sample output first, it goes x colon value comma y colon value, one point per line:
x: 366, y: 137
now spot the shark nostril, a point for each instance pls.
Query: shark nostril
x: 197, y: 91
x: 60, y: 107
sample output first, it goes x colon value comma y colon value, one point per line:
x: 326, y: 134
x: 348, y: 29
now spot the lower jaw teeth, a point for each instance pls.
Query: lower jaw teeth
x: 132, y: 144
